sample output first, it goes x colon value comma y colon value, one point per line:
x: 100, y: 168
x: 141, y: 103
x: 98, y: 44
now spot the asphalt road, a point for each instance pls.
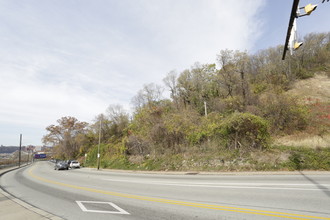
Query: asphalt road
x: 89, y: 194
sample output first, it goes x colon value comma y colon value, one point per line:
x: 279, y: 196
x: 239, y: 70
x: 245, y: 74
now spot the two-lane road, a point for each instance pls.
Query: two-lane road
x: 90, y: 194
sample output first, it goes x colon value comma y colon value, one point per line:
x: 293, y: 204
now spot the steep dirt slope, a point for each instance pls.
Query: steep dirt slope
x: 311, y: 91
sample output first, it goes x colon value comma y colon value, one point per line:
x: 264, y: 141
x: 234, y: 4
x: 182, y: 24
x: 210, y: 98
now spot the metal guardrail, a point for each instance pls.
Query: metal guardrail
x: 16, y: 164
x: 4, y: 166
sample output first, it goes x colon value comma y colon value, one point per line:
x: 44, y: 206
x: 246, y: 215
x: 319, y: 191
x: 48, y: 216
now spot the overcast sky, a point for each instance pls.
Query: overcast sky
x: 76, y: 57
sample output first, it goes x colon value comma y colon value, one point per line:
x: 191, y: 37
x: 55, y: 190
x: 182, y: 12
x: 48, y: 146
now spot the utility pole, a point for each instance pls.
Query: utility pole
x: 205, y: 108
x: 98, y: 148
x: 20, y: 149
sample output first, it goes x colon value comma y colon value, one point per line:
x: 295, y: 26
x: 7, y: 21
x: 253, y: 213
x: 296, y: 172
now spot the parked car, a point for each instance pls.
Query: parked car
x: 61, y: 165
x: 74, y: 164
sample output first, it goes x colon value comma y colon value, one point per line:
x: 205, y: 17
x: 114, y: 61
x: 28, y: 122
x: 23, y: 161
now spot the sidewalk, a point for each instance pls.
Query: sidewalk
x: 12, y: 208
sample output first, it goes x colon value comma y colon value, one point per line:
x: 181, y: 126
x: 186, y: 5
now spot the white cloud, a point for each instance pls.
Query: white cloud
x: 74, y: 58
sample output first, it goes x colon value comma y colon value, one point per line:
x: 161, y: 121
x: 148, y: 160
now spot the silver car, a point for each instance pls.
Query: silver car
x: 74, y: 164
x: 61, y: 165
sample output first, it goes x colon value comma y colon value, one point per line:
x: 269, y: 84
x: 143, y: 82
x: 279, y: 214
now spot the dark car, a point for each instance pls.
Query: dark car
x: 61, y: 165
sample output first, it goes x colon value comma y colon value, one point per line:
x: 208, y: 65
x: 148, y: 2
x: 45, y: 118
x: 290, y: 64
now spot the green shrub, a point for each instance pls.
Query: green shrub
x: 308, y: 159
x: 259, y: 88
x: 296, y: 161
x: 304, y: 74
x: 245, y: 130
x: 284, y: 112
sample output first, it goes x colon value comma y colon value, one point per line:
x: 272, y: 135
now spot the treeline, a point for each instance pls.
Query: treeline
x: 229, y: 108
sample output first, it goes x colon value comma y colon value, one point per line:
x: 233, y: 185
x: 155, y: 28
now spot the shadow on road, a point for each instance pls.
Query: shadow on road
x: 324, y: 189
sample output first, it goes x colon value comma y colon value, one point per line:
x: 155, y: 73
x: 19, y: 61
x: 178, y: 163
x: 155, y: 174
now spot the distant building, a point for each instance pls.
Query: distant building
x: 31, y: 148
x: 46, y: 149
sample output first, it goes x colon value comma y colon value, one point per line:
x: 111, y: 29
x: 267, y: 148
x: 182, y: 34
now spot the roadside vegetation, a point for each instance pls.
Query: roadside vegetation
x: 13, y: 159
x: 246, y: 112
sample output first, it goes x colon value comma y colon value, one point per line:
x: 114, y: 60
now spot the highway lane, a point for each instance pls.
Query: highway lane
x: 87, y: 194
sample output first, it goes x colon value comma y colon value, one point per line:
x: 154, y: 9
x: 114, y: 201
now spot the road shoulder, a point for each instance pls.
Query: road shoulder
x: 13, y: 208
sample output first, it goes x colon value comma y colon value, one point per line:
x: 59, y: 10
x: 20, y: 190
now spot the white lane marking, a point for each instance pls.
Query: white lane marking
x: 233, y: 185
x: 119, y: 210
x: 206, y: 183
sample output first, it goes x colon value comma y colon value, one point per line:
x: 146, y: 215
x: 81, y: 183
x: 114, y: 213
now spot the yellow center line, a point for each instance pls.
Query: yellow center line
x: 181, y: 203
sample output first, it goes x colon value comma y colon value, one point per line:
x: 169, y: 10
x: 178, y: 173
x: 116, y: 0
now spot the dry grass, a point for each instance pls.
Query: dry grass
x: 304, y: 140
x: 136, y: 159
x: 313, y: 89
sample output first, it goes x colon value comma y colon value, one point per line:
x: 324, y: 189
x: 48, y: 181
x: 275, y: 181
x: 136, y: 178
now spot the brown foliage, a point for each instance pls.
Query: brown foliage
x: 66, y: 136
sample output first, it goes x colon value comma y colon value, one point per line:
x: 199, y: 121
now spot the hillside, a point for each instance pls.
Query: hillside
x: 314, y: 92
x: 313, y: 89
x: 8, y: 150
x: 244, y: 112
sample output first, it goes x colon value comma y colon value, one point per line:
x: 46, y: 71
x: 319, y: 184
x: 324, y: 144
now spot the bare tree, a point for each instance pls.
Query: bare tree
x: 171, y: 82
x: 150, y: 94
x: 241, y: 66
x: 119, y: 119
x: 227, y: 74
x: 117, y: 113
